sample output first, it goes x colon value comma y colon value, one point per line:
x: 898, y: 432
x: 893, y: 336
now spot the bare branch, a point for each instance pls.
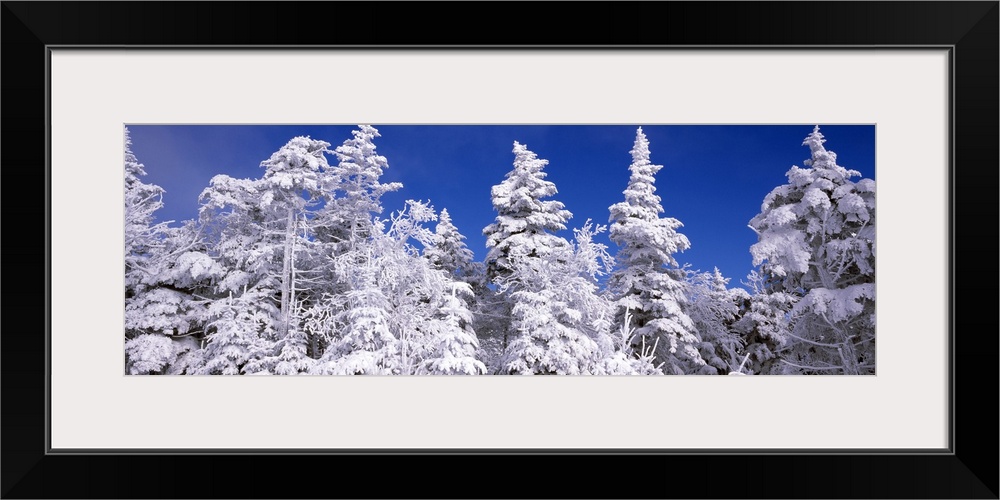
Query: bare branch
x: 811, y: 367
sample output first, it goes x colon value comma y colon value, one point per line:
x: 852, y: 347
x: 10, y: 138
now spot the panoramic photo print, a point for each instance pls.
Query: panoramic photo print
x: 637, y: 249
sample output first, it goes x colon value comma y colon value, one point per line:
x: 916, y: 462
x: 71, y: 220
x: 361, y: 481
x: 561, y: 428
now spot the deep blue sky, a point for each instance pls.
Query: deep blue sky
x: 714, y: 177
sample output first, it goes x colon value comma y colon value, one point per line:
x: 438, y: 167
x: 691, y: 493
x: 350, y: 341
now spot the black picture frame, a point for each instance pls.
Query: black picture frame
x: 969, y: 469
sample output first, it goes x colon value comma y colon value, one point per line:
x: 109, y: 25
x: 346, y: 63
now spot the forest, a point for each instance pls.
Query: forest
x: 303, y: 271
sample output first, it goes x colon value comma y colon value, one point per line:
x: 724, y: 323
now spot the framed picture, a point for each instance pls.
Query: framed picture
x: 81, y: 71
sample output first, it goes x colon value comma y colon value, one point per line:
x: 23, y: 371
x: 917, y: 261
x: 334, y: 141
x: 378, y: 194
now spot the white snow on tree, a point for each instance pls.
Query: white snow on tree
x: 355, y: 189
x: 240, y: 325
x: 367, y: 346
x: 649, y: 281
x: 560, y: 323
x: 142, y: 237
x: 172, y: 298
x: 631, y: 355
x: 149, y: 353
x: 399, y: 315
x: 525, y: 223
x: 447, y: 250
x: 297, y: 272
x: 816, y: 241
x: 453, y: 343
x: 263, y: 238
x: 549, y: 304
x: 165, y: 270
x: 714, y: 308
x: 292, y: 186
x: 294, y: 169
x: 275, y: 290
x: 525, y: 220
x: 763, y: 325
x: 545, y: 345
x: 545, y: 341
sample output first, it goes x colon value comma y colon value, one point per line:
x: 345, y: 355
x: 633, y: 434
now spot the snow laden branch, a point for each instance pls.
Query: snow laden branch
x: 816, y: 255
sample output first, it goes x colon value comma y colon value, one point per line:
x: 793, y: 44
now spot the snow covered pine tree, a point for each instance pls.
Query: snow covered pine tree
x: 165, y: 270
x: 448, y: 251
x: 354, y: 314
x: 713, y: 308
x: 817, y: 244
x: 648, y: 282
x: 523, y: 221
x: 454, y: 345
x: 455, y: 350
x: 535, y: 272
x: 263, y: 240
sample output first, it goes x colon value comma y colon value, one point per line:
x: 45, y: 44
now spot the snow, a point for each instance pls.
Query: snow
x: 300, y: 272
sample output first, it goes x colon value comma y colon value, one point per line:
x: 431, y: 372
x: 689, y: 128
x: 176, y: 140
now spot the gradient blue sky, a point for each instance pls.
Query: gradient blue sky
x: 714, y: 177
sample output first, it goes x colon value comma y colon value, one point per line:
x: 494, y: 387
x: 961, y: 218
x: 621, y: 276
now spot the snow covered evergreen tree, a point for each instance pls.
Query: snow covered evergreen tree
x: 399, y: 315
x: 165, y: 273
x: 240, y: 325
x: 345, y: 232
x: 356, y: 188
x: 452, y: 342
x: 366, y: 345
x: 142, y: 236
x: 817, y: 244
x: 263, y: 238
x: 244, y: 306
x: 448, y: 251
x: 560, y: 324
x: 649, y: 281
x: 290, y: 186
x: 172, y: 302
x: 714, y: 308
x: 545, y: 345
x: 145, y: 352
x: 469, y: 302
x: 525, y: 221
x: 763, y: 325
x: 524, y: 225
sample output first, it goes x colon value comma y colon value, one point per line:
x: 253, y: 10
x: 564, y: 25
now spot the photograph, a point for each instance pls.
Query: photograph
x: 499, y: 249
x: 208, y: 190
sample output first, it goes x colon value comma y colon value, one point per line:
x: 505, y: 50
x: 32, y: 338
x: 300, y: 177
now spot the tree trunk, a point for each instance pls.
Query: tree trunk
x: 848, y: 356
x: 286, y: 276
